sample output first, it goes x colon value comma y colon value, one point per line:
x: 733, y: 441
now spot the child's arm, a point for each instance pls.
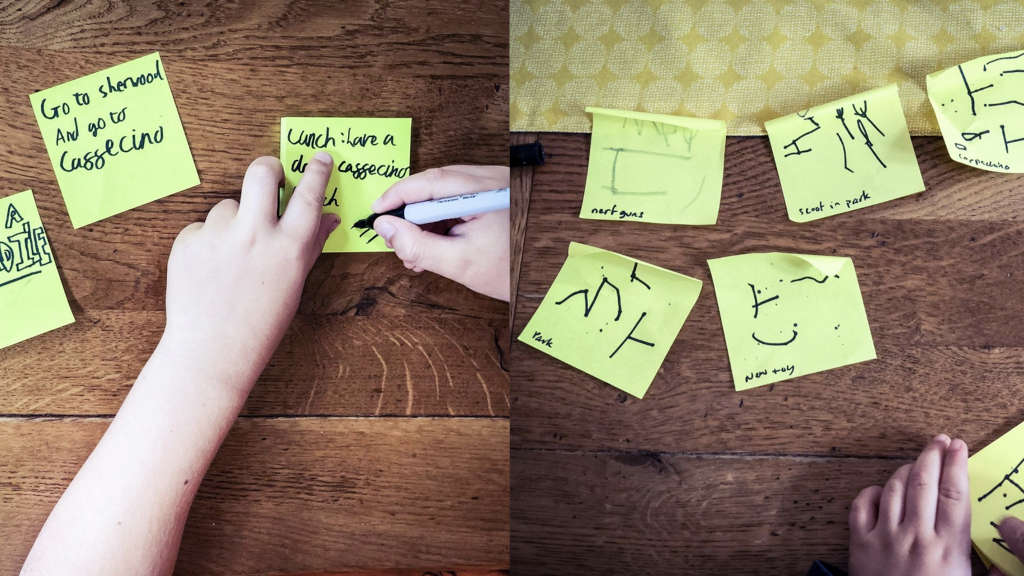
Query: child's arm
x: 233, y: 285
x: 474, y: 253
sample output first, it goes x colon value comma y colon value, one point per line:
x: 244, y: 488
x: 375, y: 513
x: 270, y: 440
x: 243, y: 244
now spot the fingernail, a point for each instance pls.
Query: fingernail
x: 385, y: 229
x: 323, y: 158
x: 957, y: 445
x: 375, y: 207
x: 942, y: 438
x: 335, y: 220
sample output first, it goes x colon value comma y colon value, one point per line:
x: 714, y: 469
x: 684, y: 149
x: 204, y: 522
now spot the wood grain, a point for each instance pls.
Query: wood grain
x: 298, y: 494
x: 523, y: 177
x: 425, y: 356
x: 939, y: 273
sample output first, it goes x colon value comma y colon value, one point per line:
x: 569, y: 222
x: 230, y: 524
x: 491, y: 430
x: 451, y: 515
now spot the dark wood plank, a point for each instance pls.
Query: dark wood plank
x: 234, y: 76
x: 940, y: 280
x: 523, y: 177
x: 366, y: 365
x: 648, y: 513
x: 433, y: 38
x: 697, y: 478
x: 300, y: 495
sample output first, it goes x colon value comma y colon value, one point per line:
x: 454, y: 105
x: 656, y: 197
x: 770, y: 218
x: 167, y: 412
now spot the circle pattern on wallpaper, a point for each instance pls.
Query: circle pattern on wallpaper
x: 742, y: 62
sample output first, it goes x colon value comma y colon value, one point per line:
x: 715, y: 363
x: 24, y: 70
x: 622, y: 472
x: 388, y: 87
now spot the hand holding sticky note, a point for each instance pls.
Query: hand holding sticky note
x: 115, y: 139
x: 611, y: 316
x: 981, y: 111
x: 370, y: 154
x: 32, y: 299
x: 786, y: 315
x: 654, y: 168
x: 844, y: 155
x: 996, y: 476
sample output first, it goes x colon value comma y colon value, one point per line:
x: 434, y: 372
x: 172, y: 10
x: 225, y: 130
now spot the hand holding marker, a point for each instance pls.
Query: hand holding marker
x: 445, y: 208
x: 475, y: 250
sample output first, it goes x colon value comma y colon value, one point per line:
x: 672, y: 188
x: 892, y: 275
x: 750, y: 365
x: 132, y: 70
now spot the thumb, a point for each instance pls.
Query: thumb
x: 421, y: 250
x: 1012, y: 530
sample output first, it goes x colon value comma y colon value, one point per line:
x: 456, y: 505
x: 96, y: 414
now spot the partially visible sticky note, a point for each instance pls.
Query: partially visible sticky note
x: 612, y: 316
x: 32, y: 299
x: 115, y: 139
x: 981, y: 111
x: 996, y: 475
x: 370, y: 154
x: 786, y: 315
x: 844, y: 155
x: 654, y: 168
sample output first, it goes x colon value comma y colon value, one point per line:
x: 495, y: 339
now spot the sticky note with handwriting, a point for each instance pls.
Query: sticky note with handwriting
x: 996, y: 475
x: 612, y: 316
x: 370, y: 154
x: 786, y: 315
x: 844, y: 155
x: 115, y: 139
x: 654, y: 168
x: 981, y: 111
x: 32, y: 298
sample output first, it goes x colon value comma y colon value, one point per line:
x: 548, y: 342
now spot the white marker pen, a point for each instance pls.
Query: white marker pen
x: 445, y: 208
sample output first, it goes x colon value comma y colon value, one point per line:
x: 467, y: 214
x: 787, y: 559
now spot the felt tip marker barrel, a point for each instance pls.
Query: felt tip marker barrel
x: 445, y: 208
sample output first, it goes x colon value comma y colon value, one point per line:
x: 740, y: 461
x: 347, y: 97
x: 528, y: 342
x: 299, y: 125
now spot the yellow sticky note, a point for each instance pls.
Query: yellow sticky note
x: 654, y: 168
x: 786, y: 315
x: 115, y: 139
x: 844, y: 155
x: 981, y: 111
x: 996, y: 476
x: 984, y: 559
x: 611, y: 316
x: 370, y: 154
x: 32, y: 299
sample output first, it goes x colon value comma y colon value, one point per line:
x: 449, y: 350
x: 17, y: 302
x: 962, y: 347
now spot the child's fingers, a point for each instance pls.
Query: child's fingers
x: 864, y: 510
x: 302, y: 216
x: 188, y: 231
x: 954, y: 513
x: 890, y: 507
x: 328, y: 222
x: 1012, y: 531
x: 222, y: 213
x: 259, y: 190
x: 923, y: 484
x: 441, y: 183
x: 421, y: 250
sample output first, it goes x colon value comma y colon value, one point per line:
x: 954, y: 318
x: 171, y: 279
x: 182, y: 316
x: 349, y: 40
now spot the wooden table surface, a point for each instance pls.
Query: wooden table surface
x: 377, y: 439
x: 699, y: 479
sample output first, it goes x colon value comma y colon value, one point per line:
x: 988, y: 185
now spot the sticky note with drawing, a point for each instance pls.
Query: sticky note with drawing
x: 981, y: 111
x: 996, y: 476
x: 612, y: 316
x: 114, y: 139
x: 32, y: 298
x: 370, y: 154
x: 844, y: 155
x: 654, y: 168
x: 786, y: 315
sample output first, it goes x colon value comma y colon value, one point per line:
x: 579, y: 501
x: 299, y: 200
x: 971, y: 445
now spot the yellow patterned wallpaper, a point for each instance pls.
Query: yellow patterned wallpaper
x: 742, y: 62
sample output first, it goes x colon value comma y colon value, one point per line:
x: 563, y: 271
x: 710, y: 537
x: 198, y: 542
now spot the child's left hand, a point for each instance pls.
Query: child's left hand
x: 918, y: 524
x: 234, y: 281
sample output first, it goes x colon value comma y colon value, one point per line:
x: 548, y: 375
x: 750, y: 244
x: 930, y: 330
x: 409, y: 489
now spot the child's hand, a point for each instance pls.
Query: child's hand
x: 1012, y: 531
x: 474, y: 252
x: 919, y: 524
x: 234, y: 281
